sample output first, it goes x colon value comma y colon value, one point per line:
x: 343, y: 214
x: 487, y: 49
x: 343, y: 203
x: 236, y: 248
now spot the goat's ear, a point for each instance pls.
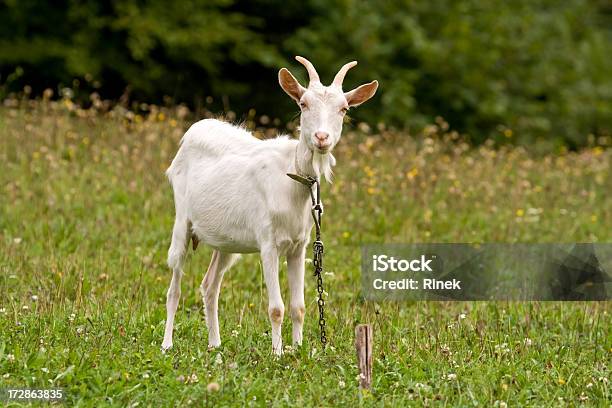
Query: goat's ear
x: 361, y: 94
x: 290, y: 85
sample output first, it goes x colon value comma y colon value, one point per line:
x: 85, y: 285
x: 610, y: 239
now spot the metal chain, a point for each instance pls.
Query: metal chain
x: 317, y: 261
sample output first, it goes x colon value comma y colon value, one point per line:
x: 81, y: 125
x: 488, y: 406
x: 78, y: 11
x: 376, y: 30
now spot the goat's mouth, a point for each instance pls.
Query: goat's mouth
x: 322, y: 149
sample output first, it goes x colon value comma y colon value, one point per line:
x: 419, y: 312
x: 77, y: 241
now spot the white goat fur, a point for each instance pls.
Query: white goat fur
x: 232, y: 193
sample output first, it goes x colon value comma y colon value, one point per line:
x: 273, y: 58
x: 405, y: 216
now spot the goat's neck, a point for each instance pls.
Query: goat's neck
x: 309, y: 163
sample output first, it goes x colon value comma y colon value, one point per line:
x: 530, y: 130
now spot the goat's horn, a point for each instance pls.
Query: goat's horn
x: 312, y: 72
x: 339, y: 78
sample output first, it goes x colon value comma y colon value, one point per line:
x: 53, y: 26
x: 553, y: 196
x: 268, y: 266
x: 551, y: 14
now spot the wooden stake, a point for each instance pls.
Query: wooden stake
x: 363, y: 344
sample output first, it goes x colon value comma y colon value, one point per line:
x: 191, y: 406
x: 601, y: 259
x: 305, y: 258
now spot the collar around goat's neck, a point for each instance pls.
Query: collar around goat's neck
x: 308, y: 181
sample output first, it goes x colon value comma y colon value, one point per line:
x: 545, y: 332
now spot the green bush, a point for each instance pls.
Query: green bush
x: 528, y: 68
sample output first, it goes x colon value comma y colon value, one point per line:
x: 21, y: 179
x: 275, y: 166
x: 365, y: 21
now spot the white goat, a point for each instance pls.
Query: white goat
x: 231, y: 191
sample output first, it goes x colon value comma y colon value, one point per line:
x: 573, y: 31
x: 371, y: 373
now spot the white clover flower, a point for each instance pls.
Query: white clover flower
x: 341, y: 384
x: 451, y: 376
x: 10, y: 357
x: 502, y: 348
x: 421, y: 385
x: 34, y: 298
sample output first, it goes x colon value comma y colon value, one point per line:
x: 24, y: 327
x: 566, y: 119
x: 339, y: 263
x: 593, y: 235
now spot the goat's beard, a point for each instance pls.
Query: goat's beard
x: 322, y: 165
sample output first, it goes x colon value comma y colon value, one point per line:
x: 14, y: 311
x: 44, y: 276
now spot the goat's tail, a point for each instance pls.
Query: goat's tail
x: 177, y: 175
x: 177, y: 172
x: 176, y: 167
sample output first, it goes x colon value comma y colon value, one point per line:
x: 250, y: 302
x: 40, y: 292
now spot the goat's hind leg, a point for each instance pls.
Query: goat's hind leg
x: 176, y: 256
x: 210, y: 288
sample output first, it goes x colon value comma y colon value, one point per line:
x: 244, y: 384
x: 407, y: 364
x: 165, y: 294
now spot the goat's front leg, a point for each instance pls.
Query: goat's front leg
x: 295, y: 276
x: 276, y: 308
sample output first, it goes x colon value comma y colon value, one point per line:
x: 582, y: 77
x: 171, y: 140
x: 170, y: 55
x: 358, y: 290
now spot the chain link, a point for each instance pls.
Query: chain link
x: 317, y: 261
x: 318, y: 264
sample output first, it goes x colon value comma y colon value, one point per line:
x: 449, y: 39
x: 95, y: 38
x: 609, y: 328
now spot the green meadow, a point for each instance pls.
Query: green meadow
x: 85, y: 223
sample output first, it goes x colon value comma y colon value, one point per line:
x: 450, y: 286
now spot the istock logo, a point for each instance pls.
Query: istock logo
x: 384, y: 263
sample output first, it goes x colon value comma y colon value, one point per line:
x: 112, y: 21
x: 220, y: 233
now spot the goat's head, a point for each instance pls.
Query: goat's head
x: 323, y: 107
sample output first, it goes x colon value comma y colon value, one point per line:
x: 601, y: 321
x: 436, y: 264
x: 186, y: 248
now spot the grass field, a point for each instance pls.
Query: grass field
x: 85, y: 222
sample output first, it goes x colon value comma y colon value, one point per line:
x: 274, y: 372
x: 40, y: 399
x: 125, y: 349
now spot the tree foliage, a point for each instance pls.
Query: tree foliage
x: 540, y: 68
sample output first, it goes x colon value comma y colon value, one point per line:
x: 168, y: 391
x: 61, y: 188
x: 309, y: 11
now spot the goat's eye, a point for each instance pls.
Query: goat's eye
x: 303, y: 105
x: 344, y: 110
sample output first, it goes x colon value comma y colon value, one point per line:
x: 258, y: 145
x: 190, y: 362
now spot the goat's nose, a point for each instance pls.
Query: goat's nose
x: 321, y: 136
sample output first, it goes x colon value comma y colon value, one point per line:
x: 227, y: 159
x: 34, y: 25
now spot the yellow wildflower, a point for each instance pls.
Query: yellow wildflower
x: 412, y: 173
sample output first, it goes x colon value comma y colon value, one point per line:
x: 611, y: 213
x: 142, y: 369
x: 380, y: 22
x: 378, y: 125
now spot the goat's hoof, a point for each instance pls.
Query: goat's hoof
x: 165, y: 347
x: 277, y: 352
x: 212, y: 346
